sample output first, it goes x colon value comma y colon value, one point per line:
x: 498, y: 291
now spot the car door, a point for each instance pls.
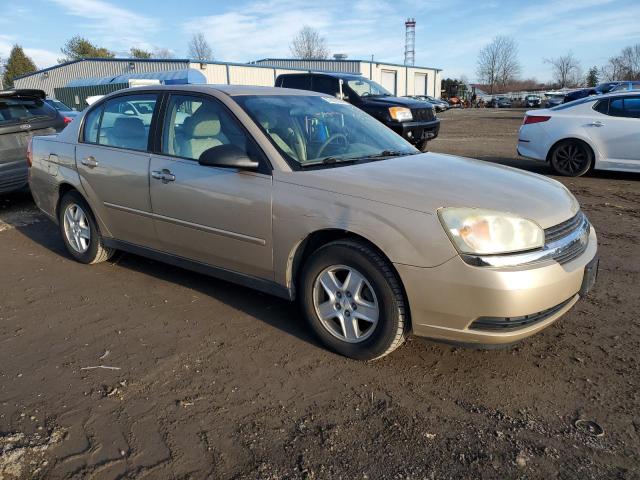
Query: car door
x: 113, y: 162
x: 217, y: 216
x: 616, y: 130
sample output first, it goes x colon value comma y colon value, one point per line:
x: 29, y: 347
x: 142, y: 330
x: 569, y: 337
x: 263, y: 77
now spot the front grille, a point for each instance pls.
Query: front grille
x: 505, y: 324
x: 563, y: 229
x: 423, y: 114
x: 560, y: 231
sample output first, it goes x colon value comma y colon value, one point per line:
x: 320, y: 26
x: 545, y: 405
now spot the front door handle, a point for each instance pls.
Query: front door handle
x: 165, y: 175
x: 90, y: 161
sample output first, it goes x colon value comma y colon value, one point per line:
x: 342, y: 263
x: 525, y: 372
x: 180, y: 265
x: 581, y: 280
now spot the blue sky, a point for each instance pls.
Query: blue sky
x: 449, y: 33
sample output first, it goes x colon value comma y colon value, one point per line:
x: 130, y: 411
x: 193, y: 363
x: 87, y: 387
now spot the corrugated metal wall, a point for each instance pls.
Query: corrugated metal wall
x: 75, y: 97
x: 349, y: 66
x: 59, y: 77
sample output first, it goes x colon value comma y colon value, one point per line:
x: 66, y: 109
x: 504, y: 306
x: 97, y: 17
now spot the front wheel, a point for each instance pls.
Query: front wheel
x: 571, y: 158
x: 353, y: 300
x: 422, y: 145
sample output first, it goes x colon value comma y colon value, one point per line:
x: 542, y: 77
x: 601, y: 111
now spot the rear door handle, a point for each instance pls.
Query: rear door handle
x: 90, y: 161
x: 596, y: 124
x: 165, y: 175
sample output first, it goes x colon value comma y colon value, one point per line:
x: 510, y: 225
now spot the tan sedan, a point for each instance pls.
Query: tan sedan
x: 303, y: 196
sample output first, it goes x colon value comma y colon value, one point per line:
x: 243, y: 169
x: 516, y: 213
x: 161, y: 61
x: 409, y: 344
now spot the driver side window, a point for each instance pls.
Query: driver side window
x: 195, y: 124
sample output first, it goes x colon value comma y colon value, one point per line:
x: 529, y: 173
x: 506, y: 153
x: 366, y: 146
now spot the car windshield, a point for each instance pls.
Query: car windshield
x: 367, y: 88
x: 20, y: 109
x: 316, y: 130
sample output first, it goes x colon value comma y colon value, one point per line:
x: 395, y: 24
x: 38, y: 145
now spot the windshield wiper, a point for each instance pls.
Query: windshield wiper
x: 389, y: 153
x: 329, y: 161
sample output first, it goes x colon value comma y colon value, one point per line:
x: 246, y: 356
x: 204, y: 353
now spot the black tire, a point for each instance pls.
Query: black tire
x: 393, y: 323
x: 95, y: 252
x: 423, y: 145
x: 571, y: 158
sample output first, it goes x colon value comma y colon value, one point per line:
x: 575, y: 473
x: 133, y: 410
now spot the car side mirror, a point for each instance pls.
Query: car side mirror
x: 227, y: 156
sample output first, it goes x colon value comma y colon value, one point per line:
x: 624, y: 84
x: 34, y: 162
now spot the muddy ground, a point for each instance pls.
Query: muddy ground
x: 209, y: 380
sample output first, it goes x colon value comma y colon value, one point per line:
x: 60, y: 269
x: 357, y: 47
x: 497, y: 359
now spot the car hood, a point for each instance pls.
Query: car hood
x: 427, y: 182
x: 396, y: 102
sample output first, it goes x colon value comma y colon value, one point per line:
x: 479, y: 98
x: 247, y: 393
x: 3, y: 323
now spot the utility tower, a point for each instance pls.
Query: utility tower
x: 410, y: 42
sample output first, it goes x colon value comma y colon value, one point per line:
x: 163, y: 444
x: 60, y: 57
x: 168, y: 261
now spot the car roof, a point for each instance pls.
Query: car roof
x: 353, y: 76
x: 23, y: 92
x: 231, y: 90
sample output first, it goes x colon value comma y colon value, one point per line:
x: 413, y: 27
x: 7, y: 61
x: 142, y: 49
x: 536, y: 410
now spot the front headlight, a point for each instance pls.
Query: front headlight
x: 401, y: 114
x: 486, y: 232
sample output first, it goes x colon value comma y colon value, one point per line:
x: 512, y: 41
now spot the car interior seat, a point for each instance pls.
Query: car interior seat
x: 128, y: 132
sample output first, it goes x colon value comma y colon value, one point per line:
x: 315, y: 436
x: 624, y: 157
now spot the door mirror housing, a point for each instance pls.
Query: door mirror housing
x: 227, y: 156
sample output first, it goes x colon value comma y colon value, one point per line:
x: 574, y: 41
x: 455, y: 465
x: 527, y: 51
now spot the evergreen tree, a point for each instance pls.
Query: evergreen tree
x: 139, y: 53
x: 592, y: 77
x: 17, y: 65
x: 78, y: 47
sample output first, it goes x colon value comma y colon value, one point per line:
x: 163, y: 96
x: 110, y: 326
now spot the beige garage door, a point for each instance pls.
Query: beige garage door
x: 388, y: 80
x: 420, y: 84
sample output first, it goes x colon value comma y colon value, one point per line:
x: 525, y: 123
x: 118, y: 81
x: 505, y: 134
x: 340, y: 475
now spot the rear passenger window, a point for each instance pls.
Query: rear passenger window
x: 616, y: 107
x: 326, y: 85
x: 124, y: 122
x: 195, y: 124
x: 632, y: 107
x: 300, y: 82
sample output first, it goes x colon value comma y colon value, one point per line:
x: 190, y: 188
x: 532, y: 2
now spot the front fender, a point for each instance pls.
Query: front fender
x: 405, y: 236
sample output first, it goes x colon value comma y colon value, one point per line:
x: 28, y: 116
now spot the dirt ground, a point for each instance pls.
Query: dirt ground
x: 203, y: 379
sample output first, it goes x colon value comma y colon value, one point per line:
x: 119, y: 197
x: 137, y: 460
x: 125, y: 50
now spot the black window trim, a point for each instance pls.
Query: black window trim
x: 101, y: 103
x: 265, y: 168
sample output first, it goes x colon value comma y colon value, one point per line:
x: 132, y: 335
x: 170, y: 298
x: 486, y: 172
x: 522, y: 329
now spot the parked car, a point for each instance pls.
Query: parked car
x: 439, y: 105
x: 586, y: 92
x: 304, y: 196
x: 23, y: 113
x: 625, y: 86
x: 553, y: 100
x: 499, y: 102
x: 601, y: 132
x: 532, y: 101
x: 68, y: 113
x: 410, y: 118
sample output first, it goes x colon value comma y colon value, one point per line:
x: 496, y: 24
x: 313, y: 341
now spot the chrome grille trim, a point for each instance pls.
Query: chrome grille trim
x: 568, y: 240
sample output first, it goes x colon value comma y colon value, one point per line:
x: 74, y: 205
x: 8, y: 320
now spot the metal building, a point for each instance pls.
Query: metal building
x: 399, y: 79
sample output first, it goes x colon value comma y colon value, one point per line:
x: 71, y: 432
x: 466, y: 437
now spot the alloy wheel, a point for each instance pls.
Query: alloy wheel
x: 571, y: 158
x: 346, y: 303
x: 76, y: 228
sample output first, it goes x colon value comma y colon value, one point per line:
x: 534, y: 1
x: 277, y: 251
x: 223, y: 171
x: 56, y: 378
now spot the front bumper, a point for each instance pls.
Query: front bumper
x: 446, y: 300
x: 415, y: 132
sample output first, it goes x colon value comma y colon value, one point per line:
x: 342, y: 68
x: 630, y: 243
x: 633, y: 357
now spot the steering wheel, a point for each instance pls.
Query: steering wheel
x: 329, y: 140
x: 365, y: 94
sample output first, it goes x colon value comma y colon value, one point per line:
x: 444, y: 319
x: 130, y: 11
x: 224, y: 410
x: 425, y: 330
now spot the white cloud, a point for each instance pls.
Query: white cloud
x: 114, y: 27
x: 264, y: 28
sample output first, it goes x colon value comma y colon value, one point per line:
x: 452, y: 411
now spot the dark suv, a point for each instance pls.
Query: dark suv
x: 413, y: 119
x: 23, y: 113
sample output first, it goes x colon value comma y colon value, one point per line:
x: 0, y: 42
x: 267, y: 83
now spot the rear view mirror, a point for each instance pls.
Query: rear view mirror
x: 227, y: 156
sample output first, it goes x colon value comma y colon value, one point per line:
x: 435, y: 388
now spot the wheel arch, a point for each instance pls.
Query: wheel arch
x: 317, y: 239
x: 63, y: 189
x: 577, y: 138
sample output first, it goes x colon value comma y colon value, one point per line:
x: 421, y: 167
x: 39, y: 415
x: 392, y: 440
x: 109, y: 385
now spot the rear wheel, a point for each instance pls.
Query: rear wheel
x: 79, y: 230
x: 571, y: 158
x: 353, y: 300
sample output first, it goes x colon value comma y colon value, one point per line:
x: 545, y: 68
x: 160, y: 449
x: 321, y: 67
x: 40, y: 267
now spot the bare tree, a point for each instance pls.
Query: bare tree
x: 498, y: 62
x: 309, y: 44
x: 162, y: 53
x: 199, y: 48
x: 566, y: 70
x: 625, y: 66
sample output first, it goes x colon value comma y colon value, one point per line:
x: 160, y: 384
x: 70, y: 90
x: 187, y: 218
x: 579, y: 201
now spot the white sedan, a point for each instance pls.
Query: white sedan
x: 601, y: 132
